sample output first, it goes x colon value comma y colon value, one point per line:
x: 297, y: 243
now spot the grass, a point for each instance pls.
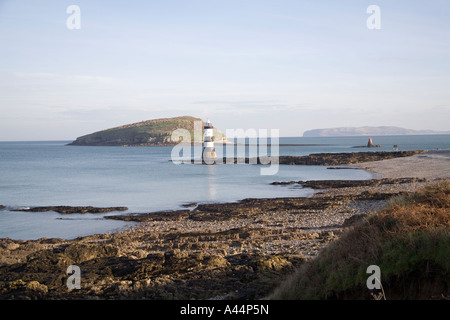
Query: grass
x: 409, y: 241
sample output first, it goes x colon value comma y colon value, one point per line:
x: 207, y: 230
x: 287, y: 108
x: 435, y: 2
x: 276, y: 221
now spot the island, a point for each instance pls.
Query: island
x: 367, y: 131
x: 156, y: 132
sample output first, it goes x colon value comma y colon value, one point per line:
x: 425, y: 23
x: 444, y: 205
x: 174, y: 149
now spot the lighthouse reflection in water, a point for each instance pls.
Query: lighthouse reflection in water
x: 212, y: 182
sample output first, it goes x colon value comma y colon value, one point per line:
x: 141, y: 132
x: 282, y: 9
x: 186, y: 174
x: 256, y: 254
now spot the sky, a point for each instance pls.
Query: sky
x: 290, y: 65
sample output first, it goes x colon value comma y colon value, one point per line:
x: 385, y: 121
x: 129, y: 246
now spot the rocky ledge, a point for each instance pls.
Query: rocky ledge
x: 214, y: 251
x: 324, y: 159
x: 345, y: 158
x: 326, y: 184
x: 68, y: 209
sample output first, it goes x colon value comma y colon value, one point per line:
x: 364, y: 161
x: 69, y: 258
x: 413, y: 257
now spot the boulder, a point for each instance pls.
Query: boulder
x: 80, y: 252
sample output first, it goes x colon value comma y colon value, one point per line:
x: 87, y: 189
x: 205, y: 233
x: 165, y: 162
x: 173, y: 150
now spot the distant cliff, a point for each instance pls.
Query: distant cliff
x: 366, y: 131
x: 155, y: 132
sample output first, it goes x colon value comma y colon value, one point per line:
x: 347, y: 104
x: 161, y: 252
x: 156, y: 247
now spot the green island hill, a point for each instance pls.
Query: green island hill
x: 156, y: 132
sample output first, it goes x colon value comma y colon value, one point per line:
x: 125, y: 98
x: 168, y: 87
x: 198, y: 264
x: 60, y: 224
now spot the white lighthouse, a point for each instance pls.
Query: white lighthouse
x: 209, y: 153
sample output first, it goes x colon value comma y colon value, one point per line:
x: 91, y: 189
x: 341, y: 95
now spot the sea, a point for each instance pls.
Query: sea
x: 145, y: 179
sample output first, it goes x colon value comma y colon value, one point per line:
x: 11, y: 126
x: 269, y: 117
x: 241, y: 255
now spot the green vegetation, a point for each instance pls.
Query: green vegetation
x: 409, y: 241
x: 145, y: 133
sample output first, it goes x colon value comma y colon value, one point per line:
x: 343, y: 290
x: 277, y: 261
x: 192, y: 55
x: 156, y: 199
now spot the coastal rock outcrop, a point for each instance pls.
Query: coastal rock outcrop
x: 327, y: 159
x: 345, y: 158
x: 327, y: 184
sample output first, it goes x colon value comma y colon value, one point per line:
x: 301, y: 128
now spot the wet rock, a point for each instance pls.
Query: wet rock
x: 283, y: 182
x: 189, y: 205
x: 176, y: 215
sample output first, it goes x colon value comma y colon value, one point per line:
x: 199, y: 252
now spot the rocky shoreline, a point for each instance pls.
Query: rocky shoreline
x: 317, y: 159
x: 327, y: 184
x: 327, y: 159
x: 237, y: 250
x: 215, y: 251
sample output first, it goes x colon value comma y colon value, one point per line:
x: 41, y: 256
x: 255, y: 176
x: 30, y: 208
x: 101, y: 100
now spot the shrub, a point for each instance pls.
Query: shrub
x: 409, y: 241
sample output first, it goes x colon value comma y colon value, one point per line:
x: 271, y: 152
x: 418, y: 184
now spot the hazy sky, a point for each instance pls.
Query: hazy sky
x: 287, y: 64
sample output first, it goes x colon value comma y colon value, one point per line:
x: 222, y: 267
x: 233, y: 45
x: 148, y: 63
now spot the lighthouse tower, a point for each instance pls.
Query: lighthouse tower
x: 209, y: 153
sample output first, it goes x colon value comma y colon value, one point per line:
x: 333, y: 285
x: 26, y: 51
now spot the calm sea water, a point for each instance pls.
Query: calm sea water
x: 145, y: 180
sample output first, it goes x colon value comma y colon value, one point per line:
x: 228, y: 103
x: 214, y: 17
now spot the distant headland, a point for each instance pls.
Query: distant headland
x: 367, y: 131
x: 156, y: 132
